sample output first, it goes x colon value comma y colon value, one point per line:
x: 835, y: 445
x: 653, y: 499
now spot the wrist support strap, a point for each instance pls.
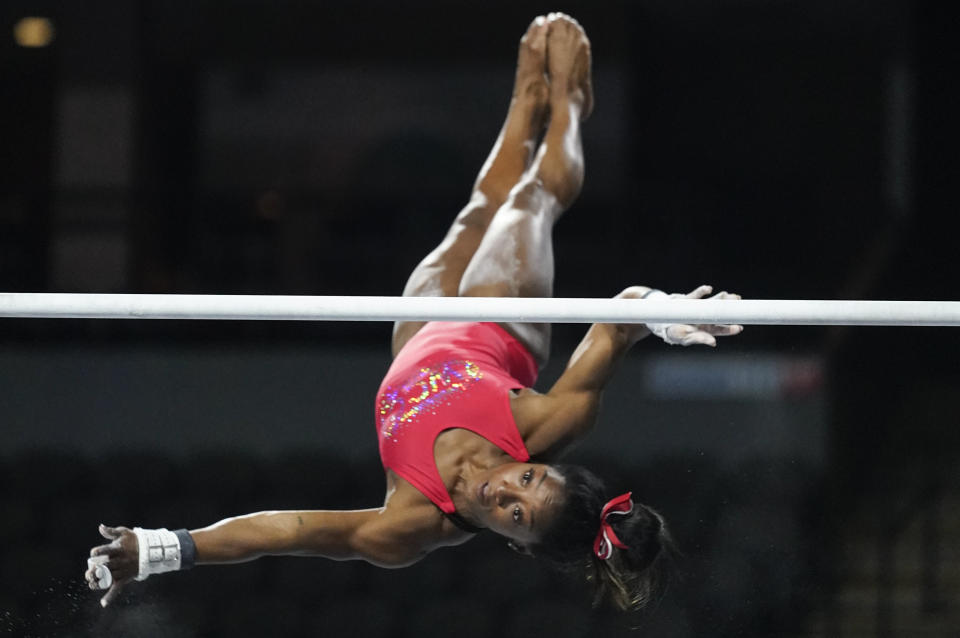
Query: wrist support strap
x: 188, y: 550
x: 161, y: 550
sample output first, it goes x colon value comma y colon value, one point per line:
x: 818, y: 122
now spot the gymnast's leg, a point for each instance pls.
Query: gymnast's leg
x: 439, y: 274
x: 515, y: 257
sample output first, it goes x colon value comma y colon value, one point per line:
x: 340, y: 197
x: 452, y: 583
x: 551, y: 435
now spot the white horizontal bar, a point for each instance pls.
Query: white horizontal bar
x: 554, y: 310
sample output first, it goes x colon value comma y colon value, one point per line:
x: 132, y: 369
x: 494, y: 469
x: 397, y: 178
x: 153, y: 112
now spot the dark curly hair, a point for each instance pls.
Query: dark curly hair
x: 631, y: 578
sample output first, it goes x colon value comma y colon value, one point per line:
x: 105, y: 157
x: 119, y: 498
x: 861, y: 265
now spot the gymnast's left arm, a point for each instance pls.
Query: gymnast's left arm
x: 552, y: 422
x: 599, y: 354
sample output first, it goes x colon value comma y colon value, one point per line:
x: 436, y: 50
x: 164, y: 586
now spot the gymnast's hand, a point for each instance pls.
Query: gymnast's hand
x: 115, y: 564
x: 703, y: 334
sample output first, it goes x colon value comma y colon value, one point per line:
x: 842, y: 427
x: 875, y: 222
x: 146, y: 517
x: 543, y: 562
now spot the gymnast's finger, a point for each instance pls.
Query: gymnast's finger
x: 720, y: 330
x: 110, y: 533
x: 111, y: 594
x: 700, y: 292
x: 98, y: 572
x: 110, y: 549
x: 687, y: 335
x: 91, y: 577
x: 726, y: 295
x: 699, y: 338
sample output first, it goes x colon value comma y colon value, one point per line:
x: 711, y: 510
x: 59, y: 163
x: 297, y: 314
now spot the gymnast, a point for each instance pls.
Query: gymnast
x: 467, y: 445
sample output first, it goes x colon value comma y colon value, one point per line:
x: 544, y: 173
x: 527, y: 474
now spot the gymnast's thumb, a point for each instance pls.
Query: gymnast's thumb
x: 110, y: 533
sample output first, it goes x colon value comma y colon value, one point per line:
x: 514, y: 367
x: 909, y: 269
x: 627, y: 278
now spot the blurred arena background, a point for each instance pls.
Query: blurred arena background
x: 775, y: 149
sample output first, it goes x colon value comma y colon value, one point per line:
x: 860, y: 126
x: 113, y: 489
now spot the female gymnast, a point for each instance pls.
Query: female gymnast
x: 466, y: 444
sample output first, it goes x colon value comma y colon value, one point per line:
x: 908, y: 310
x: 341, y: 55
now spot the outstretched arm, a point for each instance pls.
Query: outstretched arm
x: 599, y: 354
x: 375, y: 535
x: 334, y: 534
x: 569, y: 410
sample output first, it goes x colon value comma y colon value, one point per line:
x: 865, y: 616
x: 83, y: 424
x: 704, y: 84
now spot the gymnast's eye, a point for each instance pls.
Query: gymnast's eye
x: 517, y: 515
x: 527, y: 476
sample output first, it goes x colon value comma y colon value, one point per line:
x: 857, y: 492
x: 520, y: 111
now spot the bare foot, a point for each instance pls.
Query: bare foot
x: 568, y: 62
x: 530, y: 87
x: 526, y: 118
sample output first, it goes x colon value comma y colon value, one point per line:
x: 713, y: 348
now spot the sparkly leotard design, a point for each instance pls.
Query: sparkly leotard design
x: 428, y: 390
x: 450, y: 375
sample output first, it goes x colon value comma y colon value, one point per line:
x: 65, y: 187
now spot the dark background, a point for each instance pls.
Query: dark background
x: 777, y: 149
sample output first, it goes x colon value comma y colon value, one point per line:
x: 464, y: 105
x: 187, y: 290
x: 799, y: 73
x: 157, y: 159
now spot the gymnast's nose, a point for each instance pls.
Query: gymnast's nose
x: 505, y: 494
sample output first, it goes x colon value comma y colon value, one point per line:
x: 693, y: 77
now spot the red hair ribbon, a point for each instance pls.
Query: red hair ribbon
x: 606, y: 538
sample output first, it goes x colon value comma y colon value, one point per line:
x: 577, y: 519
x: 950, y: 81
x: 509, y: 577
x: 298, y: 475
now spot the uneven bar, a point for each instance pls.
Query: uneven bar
x: 553, y: 310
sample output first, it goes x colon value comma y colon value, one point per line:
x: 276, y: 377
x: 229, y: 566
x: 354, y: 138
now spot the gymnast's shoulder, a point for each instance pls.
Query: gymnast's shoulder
x: 406, y: 529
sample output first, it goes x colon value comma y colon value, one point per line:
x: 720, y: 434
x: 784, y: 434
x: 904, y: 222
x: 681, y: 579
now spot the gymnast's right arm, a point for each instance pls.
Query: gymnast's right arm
x: 378, y: 536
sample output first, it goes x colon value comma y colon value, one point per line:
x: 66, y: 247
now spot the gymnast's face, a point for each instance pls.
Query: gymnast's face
x: 518, y: 500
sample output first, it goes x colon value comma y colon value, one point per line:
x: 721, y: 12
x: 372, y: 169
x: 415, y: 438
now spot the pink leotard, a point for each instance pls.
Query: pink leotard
x: 450, y: 375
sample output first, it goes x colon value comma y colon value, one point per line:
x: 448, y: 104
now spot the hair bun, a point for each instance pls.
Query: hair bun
x: 658, y: 520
